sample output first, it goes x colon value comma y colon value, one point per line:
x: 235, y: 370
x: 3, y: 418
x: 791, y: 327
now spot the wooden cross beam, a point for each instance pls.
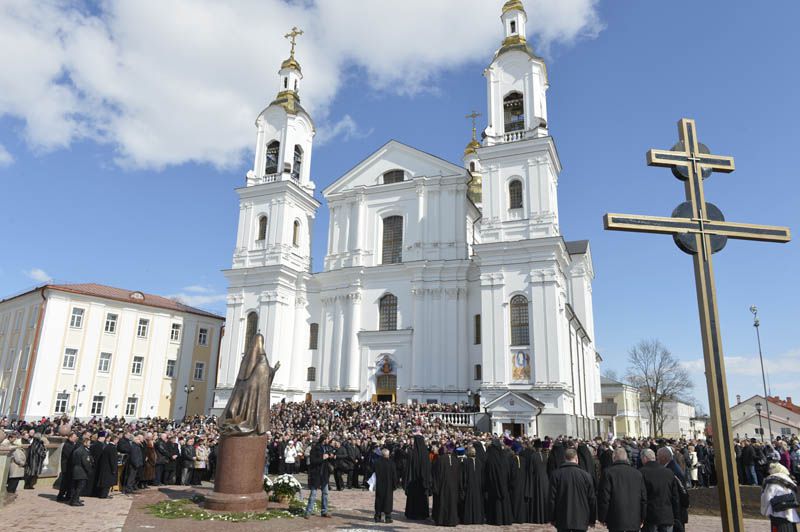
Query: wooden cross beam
x: 700, y: 229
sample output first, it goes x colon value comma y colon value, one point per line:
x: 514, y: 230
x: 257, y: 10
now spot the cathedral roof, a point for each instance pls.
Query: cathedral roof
x: 512, y: 5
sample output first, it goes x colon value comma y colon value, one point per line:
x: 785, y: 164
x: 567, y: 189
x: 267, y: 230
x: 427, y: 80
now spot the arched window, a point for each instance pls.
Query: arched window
x: 393, y: 176
x: 250, y: 331
x: 515, y: 194
x: 296, y: 234
x: 514, y: 113
x: 262, y: 228
x: 387, y: 310
x: 297, y: 165
x: 472, y: 166
x: 392, y: 239
x: 311, y: 374
x: 273, y: 148
x: 519, y: 321
x: 313, y: 335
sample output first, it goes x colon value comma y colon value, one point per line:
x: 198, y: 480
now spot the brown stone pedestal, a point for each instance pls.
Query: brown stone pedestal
x: 238, y: 486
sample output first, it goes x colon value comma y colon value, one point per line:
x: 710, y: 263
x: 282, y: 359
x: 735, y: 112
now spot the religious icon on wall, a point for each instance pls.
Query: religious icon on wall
x: 386, y: 366
x: 520, y: 366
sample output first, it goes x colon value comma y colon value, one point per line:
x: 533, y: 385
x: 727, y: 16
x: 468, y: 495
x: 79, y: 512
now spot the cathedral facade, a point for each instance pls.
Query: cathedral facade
x: 441, y: 282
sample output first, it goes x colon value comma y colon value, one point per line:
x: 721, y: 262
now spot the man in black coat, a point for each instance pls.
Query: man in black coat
x: 171, y: 467
x: 662, y: 494
x: 472, y: 489
x: 355, y: 459
x: 572, y: 498
x: 80, y: 463
x: 162, y: 458
x: 65, y: 485
x: 134, y: 465
x: 319, y: 473
x: 385, y: 482
x: 446, y: 485
x: 95, y: 450
x: 188, y: 453
x: 498, y: 500
x: 622, y: 495
x: 418, y: 481
x: 537, y: 487
x: 516, y: 483
x: 344, y: 464
x: 106, y: 467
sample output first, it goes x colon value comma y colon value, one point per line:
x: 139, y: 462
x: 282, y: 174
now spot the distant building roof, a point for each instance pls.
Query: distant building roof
x: 577, y: 247
x: 130, y: 296
x: 787, y: 403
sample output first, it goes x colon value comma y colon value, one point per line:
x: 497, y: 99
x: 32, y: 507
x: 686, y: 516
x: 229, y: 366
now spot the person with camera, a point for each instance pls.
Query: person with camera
x: 319, y: 471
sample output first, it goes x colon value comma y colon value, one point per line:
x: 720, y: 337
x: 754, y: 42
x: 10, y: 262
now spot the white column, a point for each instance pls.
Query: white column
x: 354, y: 364
x: 336, y: 347
x: 464, y: 325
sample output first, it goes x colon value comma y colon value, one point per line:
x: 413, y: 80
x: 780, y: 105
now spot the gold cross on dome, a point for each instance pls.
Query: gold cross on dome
x: 292, y: 36
x: 473, y: 115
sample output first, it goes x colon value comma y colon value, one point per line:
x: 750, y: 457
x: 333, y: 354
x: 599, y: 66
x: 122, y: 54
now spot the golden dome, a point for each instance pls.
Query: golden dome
x: 512, y: 5
x: 291, y: 63
x: 472, y: 147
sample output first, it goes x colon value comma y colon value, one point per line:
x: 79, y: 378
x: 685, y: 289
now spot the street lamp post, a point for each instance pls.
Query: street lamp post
x: 188, y: 388
x: 760, y: 426
x: 756, y: 324
x: 78, y: 390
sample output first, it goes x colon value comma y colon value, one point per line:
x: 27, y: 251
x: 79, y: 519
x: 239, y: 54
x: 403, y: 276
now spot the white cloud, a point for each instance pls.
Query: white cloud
x: 198, y: 300
x: 176, y: 81
x: 346, y: 128
x: 750, y: 366
x: 5, y: 158
x: 38, y: 275
x: 197, y: 289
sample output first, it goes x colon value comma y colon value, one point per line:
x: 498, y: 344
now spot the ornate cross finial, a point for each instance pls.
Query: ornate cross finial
x: 473, y: 115
x: 292, y: 36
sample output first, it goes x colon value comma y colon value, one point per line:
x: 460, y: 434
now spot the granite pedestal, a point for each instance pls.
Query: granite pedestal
x: 238, y: 485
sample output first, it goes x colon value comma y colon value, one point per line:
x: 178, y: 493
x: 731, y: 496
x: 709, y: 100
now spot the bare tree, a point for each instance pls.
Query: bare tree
x: 611, y: 374
x: 658, y: 375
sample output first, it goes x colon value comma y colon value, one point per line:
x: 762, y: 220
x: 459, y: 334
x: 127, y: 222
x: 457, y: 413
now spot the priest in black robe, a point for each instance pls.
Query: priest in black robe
x: 106, y: 468
x: 586, y: 461
x: 471, y: 503
x: 555, y: 458
x: 480, y: 451
x: 537, y: 487
x: 418, y: 481
x: 385, y: 482
x: 95, y: 450
x: 498, y: 499
x: 446, y: 487
x: 516, y: 483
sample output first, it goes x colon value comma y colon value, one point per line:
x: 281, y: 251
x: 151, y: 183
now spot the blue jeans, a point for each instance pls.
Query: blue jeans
x: 312, y: 498
x: 752, y: 478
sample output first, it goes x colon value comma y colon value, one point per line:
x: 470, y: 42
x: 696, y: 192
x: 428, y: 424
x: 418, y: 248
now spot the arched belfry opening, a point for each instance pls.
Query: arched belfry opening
x: 513, y: 112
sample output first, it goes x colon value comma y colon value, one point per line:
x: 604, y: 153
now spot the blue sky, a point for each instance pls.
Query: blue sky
x: 119, y: 155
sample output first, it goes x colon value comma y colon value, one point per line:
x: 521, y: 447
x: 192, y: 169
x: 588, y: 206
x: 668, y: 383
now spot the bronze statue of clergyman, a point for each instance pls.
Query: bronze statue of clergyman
x: 247, y: 412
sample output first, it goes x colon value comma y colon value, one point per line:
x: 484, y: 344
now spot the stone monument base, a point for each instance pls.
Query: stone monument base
x: 238, y: 486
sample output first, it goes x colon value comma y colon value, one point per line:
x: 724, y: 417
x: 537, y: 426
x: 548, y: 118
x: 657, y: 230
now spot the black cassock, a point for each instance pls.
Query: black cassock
x: 418, y: 481
x: 472, y: 492
x: 537, y: 489
x: 385, y: 481
x: 586, y: 462
x: 446, y: 486
x: 516, y: 487
x: 555, y: 458
x: 498, y: 499
x: 95, y: 450
x: 106, y: 467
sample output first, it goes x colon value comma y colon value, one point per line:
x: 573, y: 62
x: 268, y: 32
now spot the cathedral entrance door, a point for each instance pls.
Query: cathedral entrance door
x: 515, y: 429
x: 386, y: 388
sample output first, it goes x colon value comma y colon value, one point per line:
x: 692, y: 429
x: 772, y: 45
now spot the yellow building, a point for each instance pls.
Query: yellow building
x: 91, y: 350
x: 627, y: 422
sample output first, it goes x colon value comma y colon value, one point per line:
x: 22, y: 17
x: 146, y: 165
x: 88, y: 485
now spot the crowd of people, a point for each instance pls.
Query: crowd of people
x: 473, y: 478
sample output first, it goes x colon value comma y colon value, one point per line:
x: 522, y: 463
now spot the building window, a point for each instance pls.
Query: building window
x: 472, y: 166
x: 70, y: 355
x: 62, y: 401
x: 136, y: 366
x: 34, y: 314
x: 478, y: 372
x: 519, y: 321
x: 111, y: 323
x: 477, y: 329
x: 199, y: 371
x: 513, y: 26
x: 297, y: 163
x: 387, y: 310
x: 313, y: 335
x: 514, y: 114
x: 141, y: 330
x: 786, y: 431
x: 393, y: 176
x: 251, y: 329
x: 97, y: 405
x: 202, y: 336
x: 76, y: 320
x: 170, y: 371
x: 273, y: 149
x: 515, y: 194
x: 262, y: 228
x: 26, y: 355
x: 392, y: 239
x: 130, y: 406
x: 296, y: 234
x: 311, y: 374
x: 104, y: 364
x: 175, y: 333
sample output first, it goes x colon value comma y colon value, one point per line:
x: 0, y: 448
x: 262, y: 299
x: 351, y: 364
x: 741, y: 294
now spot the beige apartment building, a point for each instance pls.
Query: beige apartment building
x: 91, y: 350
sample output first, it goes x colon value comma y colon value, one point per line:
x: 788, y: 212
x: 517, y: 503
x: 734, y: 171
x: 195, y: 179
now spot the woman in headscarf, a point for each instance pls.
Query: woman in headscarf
x: 779, y: 499
x: 498, y: 499
x: 418, y: 481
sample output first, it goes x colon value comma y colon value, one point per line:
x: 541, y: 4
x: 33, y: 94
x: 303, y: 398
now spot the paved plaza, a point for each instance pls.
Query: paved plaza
x: 352, y: 511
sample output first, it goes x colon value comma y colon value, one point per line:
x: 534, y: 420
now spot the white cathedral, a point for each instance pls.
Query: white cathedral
x: 441, y: 283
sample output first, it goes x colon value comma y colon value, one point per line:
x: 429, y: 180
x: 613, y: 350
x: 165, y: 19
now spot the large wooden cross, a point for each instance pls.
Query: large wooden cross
x: 700, y: 230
